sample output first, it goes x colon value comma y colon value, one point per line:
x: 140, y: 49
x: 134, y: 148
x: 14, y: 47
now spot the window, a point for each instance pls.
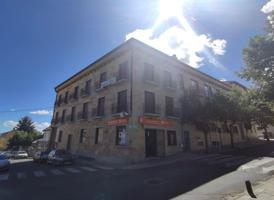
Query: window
x: 149, y: 72
x: 57, y: 116
x: 76, y: 89
x: 60, y: 136
x: 122, y: 101
x: 72, y: 117
x: 169, y: 106
x: 103, y: 77
x: 171, y: 138
x: 85, y: 110
x: 235, y: 129
x: 82, y: 136
x: 66, y: 97
x: 87, y: 87
x: 101, y: 106
x: 121, y: 135
x: 99, y: 135
x: 63, y: 116
x: 206, y: 88
x: 194, y: 86
x: 225, y: 128
x: 149, y: 102
x: 182, y: 84
x: 59, y: 100
x: 168, y: 80
x: 123, y: 71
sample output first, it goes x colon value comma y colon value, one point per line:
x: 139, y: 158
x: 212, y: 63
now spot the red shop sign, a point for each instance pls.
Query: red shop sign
x: 118, y: 121
x: 156, y: 122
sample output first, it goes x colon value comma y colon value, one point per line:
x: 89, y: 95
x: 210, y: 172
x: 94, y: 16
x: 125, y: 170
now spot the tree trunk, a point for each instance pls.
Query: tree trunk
x: 231, y: 136
x: 206, y: 142
x: 266, y: 134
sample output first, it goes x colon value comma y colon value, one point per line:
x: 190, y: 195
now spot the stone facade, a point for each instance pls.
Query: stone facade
x: 137, y: 131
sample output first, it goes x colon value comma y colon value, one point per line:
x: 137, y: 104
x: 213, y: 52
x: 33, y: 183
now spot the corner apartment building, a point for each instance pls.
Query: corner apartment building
x: 126, y: 107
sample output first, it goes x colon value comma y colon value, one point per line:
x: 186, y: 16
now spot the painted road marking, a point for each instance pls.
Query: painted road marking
x: 215, y: 158
x: 72, y: 170
x: 39, y: 173
x: 88, y: 169
x: 56, y: 172
x: 21, y: 175
x: 103, y: 167
x: 203, y: 157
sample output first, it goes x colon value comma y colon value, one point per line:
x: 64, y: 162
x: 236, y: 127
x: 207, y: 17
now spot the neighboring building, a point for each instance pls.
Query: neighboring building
x: 126, y: 107
x: 42, y: 144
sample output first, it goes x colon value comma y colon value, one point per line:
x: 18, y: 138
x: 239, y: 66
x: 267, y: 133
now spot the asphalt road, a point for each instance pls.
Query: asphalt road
x: 27, y: 180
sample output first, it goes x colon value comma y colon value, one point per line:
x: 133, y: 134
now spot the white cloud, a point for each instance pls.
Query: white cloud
x: 10, y: 124
x: 41, y: 112
x: 223, y: 79
x: 268, y: 7
x: 186, y: 45
x: 41, y: 125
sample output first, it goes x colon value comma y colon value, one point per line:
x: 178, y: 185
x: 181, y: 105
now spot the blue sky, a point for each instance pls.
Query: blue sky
x: 42, y: 43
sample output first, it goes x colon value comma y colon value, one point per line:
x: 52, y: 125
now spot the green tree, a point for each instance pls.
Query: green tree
x: 263, y: 112
x: 23, y: 139
x: 25, y: 124
x: 231, y: 109
x: 198, y: 112
x: 259, y: 61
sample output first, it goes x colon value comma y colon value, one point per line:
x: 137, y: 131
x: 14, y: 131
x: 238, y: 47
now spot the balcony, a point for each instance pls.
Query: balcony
x: 121, y: 77
x: 173, y: 113
x: 119, y: 110
x: 97, y: 113
x: 152, y: 111
x: 170, y: 85
x: 73, y: 97
x: 70, y: 118
x: 82, y: 116
x: 85, y: 92
x: 55, y: 121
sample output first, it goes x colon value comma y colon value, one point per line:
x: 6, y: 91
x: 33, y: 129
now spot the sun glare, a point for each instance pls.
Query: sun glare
x: 170, y: 8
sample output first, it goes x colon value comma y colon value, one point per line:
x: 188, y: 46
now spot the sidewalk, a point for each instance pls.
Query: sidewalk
x: 231, y: 186
x: 263, y: 190
x: 154, y: 162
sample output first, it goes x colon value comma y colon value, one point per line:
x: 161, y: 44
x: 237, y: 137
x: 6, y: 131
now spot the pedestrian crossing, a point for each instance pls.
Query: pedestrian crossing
x: 41, y: 173
x: 220, y: 159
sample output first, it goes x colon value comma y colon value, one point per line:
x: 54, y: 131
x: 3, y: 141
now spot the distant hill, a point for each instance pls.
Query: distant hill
x: 4, y: 138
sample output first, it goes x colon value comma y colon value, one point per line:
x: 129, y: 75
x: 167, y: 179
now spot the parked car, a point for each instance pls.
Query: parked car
x: 41, y: 156
x: 20, y: 154
x: 59, y: 157
x: 8, y: 154
x: 4, y: 163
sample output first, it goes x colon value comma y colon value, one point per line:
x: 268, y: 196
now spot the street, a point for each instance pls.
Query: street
x: 27, y: 180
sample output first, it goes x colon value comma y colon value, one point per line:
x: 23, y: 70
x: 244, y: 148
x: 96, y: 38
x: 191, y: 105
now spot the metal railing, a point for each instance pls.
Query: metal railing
x: 154, y: 110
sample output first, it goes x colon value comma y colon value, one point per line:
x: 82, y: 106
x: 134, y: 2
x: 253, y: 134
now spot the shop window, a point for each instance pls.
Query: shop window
x: 171, y: 138
x: 99, y: 135
x: 121, y: 135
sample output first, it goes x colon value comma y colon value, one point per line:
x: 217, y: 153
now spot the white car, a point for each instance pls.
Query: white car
x: 21, y: 154
x: 4, y: 163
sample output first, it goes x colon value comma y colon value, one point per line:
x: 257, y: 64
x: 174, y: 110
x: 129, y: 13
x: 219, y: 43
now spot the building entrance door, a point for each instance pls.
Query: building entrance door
x: 151, y: 142
x: 186, y: 140
x: 69, y: 142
